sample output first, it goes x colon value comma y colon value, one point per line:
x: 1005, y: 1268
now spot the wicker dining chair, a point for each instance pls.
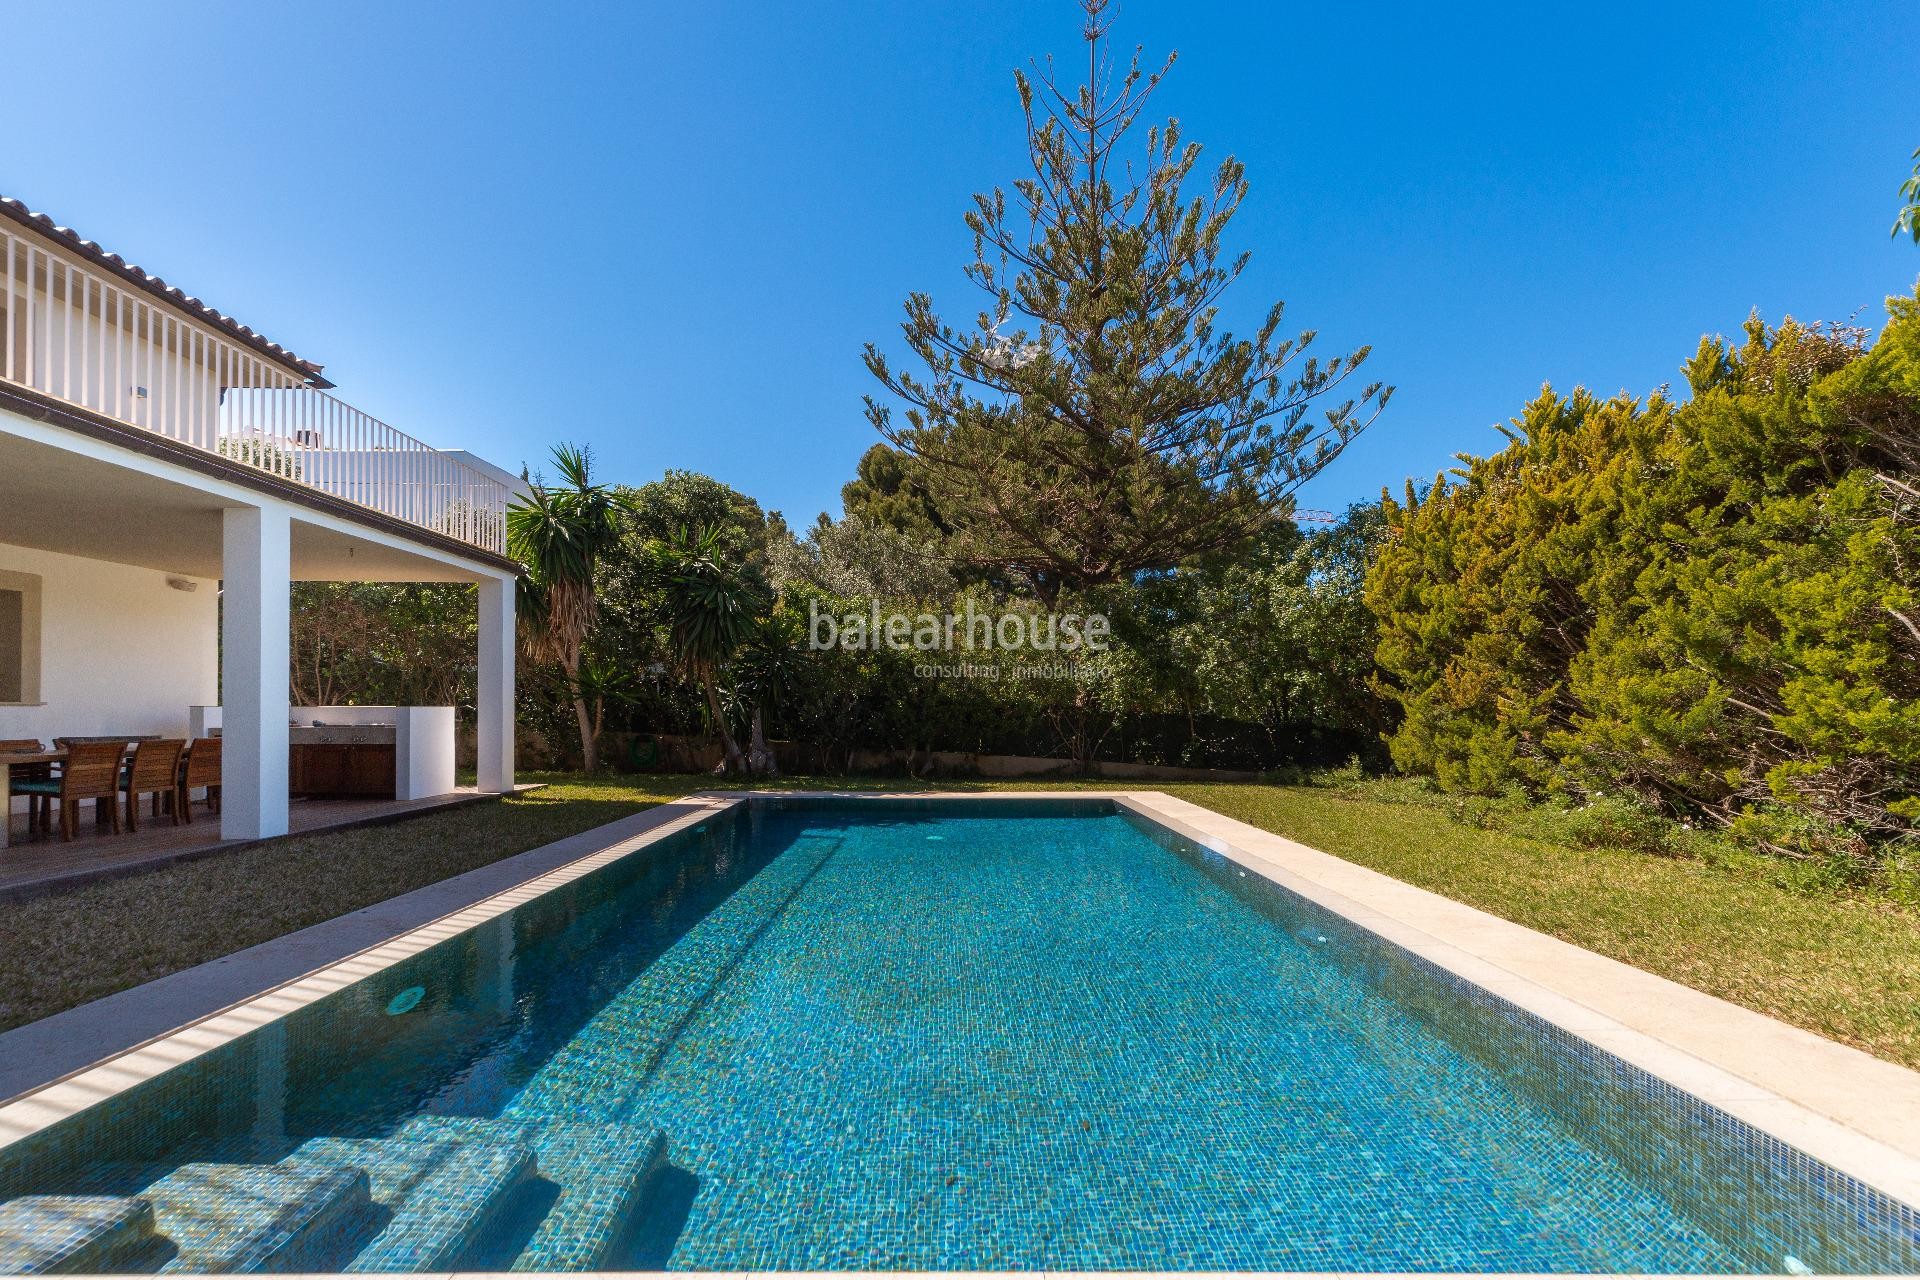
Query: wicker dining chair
x: 201, y: 769
x: 156, y: 770
x: 38, y: 806
x: 91, y: 772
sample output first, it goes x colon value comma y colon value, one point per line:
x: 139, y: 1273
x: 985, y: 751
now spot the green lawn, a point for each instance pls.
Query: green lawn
x: 64, y: 950
x: 1846, y: 968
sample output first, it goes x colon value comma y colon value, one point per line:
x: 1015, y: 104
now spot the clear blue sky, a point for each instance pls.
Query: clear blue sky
x: 667, y: 230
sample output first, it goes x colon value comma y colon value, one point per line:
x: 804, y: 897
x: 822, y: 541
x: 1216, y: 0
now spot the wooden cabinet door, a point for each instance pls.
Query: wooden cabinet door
x: 340, y: 769
x: 370, y: 771
x: 328, y: 770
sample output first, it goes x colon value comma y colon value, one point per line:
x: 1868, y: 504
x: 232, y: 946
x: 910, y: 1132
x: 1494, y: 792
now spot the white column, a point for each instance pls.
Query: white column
x: 255, y: 581
x: 495, y: 701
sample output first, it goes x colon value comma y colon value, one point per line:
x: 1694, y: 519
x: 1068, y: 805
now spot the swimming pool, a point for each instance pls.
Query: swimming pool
x: 927, y: 1035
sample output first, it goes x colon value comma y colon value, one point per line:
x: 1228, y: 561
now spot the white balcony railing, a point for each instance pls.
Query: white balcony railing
x: 73, y: 334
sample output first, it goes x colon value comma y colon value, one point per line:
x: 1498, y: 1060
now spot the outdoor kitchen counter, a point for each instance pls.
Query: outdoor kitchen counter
x: 341, y: 760
x: 342, y: 735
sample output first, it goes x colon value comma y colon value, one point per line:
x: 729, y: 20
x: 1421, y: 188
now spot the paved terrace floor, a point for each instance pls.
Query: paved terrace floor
x: 31, y: 865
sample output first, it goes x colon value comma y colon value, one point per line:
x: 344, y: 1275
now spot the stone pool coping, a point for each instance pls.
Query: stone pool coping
x: 1840, y: 1106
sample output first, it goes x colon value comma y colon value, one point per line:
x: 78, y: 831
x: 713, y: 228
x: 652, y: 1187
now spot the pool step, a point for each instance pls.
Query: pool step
x: 445, y: 1193
x: 601, y: 1172
x: 41, y: 1235
x: 440, y: 1195
x: 251, y: 1217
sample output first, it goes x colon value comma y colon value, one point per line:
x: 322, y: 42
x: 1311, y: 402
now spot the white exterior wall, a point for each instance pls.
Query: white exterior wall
x: 120, y: 650
x: 423, y: 752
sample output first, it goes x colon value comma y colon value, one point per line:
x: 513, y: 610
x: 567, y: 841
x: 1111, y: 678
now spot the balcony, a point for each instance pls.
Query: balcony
x: 71, y: 333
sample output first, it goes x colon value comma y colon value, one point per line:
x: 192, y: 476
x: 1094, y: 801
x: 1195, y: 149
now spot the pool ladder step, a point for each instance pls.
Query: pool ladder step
x: 47, y: 1234
x: 335, y: 1204
x: 435, y: 1199
x: 600, y: 1172
x: 445, y: 1193
x: 249, y: 1217
x: 197, y: 1218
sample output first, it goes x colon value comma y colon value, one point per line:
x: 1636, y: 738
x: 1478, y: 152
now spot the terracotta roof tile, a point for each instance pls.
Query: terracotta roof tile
x: 113, y: 262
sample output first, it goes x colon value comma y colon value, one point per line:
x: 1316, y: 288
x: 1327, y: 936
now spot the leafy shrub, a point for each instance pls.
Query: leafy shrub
x: 1713, y: 604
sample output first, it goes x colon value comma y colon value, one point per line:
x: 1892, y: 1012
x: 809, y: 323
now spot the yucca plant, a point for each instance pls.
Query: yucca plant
x: 560, y: 532
x: 772, y: 666
x: 713, y: 606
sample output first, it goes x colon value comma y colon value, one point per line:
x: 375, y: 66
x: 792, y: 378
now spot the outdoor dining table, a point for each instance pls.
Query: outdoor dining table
x: 9, y: 760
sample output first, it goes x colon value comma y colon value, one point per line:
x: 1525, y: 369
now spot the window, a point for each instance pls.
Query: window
x: 13, y: 645
x: 19, y: 637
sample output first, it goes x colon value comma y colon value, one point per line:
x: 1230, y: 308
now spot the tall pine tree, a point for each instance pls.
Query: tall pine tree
x: 1095, y: 420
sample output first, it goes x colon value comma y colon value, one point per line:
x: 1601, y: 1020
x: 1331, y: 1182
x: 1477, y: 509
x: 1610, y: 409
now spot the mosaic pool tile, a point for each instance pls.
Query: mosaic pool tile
x: 47, y: 1234
x: 1007, y: 1034
x: 437, y: 1198
x: 598, y: 1171
x: 223, y: 1217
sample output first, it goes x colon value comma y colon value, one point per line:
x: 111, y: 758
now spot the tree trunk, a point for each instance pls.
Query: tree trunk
x: 589, y: 746
x: 589, y: 740
x: 732, y: 761
x: 1082, y: 735
x: 761, y: 762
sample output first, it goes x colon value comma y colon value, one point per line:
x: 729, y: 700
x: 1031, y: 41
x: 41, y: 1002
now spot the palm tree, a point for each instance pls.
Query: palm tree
x: 773, y: 671
x: 559, y: 533
x: 712, y: 606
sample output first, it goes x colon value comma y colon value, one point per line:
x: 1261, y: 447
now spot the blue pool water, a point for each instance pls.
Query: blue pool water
x: 891, y: 1035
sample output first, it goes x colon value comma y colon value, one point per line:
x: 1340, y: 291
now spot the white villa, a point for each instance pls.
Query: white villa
x: 165, y: 474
